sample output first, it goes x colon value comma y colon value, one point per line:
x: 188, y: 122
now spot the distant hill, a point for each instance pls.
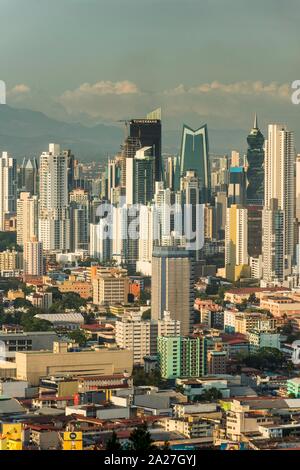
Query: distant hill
x: 27, y: 133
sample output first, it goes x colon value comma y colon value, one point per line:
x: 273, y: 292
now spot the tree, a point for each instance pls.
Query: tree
x: 78, y: 336
x: 113, y: 442
x: 211, y: 394
x: 56, y: 294
x: 70, y: 301
x: 140, y: 377
x: 147, y: 314
x: 140, y: 439
x: 265, y: 358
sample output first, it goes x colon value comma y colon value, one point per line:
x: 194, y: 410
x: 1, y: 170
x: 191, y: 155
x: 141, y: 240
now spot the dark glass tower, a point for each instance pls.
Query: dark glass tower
x: 255, y: 172
x: 28, y: 176
x: 148, y: 132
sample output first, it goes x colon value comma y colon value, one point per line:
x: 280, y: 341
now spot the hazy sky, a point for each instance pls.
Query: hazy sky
x: 214, y: 61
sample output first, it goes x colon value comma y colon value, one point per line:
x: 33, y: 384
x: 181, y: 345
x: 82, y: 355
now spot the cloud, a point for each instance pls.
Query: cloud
x: 213, y: 102
x: 104, y: 99
x: 104, y: 87
x: 19, y: 89
x: 235, y: 88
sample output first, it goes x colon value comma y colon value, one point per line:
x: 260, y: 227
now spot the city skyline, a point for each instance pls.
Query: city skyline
x: 215, y: 82
x: 149, y: 227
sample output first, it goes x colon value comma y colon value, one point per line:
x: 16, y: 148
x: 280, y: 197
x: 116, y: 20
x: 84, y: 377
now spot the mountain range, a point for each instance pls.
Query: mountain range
x: 27, y: 133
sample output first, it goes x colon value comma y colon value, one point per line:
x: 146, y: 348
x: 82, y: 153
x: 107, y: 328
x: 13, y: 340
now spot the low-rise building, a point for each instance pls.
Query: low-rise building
x: 14, y: 341
x: 216, y: 362
x: 11, y: 260
x: 34, y: 365
x: 263, y: 339
x: 293, y: 387
x: 62, y: 321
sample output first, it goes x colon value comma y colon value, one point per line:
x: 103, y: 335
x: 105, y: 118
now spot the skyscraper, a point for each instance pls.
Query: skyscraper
x: 172, y: 285
x: 8, y: 186
x: 54, y: 217
x: 140, y: 173
x: 27, y: 218
x: 79, y: 217
x: 279, y: 177
x: 237, y: 186
x: 254, y: 230
x: 148, y: 132
x: 236, y: 243
x: 273, y: 243
x: 28, y: 176
x: 194, y: 156
x: 255, y: 171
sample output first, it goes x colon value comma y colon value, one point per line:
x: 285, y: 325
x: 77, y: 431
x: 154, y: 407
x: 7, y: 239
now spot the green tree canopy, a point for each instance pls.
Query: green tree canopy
x: 113, y: 443
x: 140, y: 439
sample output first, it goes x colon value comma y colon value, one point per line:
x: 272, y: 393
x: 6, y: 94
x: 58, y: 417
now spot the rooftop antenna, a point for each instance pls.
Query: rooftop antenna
x: 255, y: 122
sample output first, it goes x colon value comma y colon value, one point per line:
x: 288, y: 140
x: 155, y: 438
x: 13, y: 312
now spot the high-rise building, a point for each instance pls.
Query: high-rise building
x: 209, y: 222
x: 148, y: 132
x: 27, y: 218
x: 194, y: 156
x: 279, y: 177
x: 33, y: 258
x: 181, y: 356
x: 173, y: 285
x: 168, y: 215
x: 170, y: 172
x: 146, y: 239
x: 28, y: 176
x: 236, y: 243
x: 237, y: 186
x: 254, y: 230
x: 71, y: 169
x: 297, y: 189
x: 190, y: 187
x: 274, y: 262
x: 128, y: 150
x: 79, y: 217
x: 255, y: 170
x: 54, y: 217
x: 140, y: 173
x: 221, y: 207
x: 8, y: 187
x: 100, y: 241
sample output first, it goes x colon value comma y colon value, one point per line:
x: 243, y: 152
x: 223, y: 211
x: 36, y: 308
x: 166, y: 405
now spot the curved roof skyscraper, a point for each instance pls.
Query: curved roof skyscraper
x: 194, y: 156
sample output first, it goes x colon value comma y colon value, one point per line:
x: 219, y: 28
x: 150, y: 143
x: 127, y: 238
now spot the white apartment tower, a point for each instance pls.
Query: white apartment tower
x: 54, y: 219
x: 273, y: 243
x: 8, y: 186
x: 279, y: 177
